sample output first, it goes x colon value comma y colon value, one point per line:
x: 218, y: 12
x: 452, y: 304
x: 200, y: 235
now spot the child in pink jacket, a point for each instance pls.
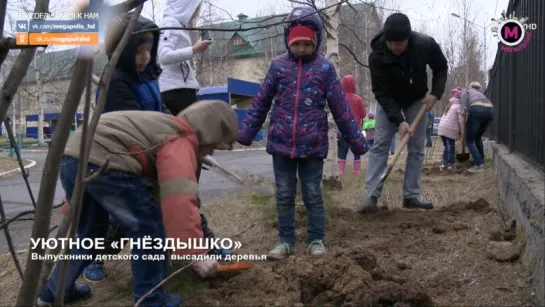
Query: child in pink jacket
x: 450, y: 128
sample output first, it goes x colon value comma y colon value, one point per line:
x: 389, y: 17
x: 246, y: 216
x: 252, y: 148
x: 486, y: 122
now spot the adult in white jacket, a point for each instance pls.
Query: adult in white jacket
x: 178, y: 83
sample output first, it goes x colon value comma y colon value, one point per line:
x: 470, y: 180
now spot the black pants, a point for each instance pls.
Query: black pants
x: 176, y: 101
x: 179, y: 99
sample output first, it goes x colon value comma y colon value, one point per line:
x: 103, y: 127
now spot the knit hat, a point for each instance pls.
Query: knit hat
x: 301, y: 33
x: 456, y: 92
x: 371, y: 115
x: 397, y: 27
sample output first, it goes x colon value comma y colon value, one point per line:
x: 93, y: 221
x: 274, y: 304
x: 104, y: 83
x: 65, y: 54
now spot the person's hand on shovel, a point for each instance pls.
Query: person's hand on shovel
x: 429, y: 101
x: 404, y: 129
x: 206, y: 268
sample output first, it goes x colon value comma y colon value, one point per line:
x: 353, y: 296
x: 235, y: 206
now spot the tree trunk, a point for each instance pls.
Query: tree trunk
x: 331, y: 177
x: 40, y: 102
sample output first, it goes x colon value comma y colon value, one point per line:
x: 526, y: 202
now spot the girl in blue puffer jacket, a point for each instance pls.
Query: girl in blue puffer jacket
x: 300, y: 81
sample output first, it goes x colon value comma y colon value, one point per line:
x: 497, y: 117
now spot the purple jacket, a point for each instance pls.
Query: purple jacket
x: 300, y: 88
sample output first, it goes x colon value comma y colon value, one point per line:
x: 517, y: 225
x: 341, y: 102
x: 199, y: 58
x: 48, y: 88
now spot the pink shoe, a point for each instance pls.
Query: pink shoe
x: 357, y: 168
x: 342, y: 166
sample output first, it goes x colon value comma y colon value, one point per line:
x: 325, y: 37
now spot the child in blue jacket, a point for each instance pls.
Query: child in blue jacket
x: 300, y: 81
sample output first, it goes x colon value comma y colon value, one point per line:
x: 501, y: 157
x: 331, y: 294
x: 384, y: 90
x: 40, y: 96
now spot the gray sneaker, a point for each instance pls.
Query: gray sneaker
x: 280, y: 251
x: 317, y: 248
x: 367, y: 205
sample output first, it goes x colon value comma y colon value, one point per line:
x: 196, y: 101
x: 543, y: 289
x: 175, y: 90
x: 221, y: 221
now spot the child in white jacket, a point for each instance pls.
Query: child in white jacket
x: 177, y: 82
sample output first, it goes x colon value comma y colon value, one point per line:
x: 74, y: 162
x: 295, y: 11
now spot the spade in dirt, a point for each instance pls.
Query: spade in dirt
x: 464, y: 156
x: 240, y: 176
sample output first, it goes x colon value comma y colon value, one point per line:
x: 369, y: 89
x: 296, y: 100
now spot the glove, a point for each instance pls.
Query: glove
x: 206, y: 268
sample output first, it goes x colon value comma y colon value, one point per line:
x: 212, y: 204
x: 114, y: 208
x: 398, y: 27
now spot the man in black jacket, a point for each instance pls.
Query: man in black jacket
x: 399, y: 82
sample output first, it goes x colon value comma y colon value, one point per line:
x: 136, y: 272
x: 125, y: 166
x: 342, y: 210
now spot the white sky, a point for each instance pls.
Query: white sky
x: 430, y: 14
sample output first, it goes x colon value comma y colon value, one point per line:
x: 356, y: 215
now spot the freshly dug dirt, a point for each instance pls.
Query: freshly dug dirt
x: 349, y: 277
x: 460, y: 254
x: 390, y: 258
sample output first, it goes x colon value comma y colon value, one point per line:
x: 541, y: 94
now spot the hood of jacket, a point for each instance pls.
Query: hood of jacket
x: 126, y: 61
x: 202, y: 117
x: 304, y: 16
x: 181, y: 10
x: 349, y: 84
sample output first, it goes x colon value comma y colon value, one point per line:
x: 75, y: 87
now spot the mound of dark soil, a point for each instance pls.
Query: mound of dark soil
x: 345, y: 278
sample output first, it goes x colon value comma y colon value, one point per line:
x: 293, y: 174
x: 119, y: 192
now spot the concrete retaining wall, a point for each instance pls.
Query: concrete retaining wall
x: 522, y: 188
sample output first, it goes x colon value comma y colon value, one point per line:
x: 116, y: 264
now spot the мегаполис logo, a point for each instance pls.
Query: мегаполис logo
x: 513, y: 33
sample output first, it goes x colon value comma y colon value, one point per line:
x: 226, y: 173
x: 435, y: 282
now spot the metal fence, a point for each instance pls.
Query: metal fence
x: 517, y: 89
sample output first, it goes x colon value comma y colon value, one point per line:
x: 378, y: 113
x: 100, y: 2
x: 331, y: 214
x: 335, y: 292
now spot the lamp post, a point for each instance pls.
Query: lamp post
x: 484, y: 45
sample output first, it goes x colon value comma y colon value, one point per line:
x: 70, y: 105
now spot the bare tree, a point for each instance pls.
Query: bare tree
x: 331, y: 177
x: 154, y: 10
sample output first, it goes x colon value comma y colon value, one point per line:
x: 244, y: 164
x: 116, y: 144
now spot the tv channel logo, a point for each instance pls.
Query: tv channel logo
x: 513, y: 33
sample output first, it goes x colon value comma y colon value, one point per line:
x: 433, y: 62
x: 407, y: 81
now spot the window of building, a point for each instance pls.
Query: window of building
x: 237, y: 40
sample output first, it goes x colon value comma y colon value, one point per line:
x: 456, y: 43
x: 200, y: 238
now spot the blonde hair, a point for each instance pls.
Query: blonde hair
x: 475, y: 85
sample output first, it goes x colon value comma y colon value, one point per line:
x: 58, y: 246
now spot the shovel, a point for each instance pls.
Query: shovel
x: 462, y: 157
x: 243, y: 178
x: 399, y: 149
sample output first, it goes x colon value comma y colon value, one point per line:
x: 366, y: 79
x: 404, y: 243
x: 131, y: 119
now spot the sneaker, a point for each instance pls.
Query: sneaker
x: 476, y: 168
x: 317, y: 248
x: 443, y: 167
x: 94, y: 272
x: 415, y: 203
x: 80, y: 292
x: 280, y: 251
x: 368, y: 205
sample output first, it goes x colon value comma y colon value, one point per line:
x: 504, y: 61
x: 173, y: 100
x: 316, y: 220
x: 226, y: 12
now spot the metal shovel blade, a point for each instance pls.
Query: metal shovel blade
x: 242, y: 177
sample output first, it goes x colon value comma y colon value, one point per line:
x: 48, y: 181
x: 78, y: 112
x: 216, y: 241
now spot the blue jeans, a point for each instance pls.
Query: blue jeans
x: 344, y: 147
x: 478, y: 120
x: 448, y: 152
x: 393, y: 144
x: 310, y: 172
x: 127, y: 198
x: 429, y: 141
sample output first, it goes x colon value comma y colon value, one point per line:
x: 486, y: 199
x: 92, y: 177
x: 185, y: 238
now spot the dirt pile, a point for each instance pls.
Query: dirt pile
x: 349, y: 277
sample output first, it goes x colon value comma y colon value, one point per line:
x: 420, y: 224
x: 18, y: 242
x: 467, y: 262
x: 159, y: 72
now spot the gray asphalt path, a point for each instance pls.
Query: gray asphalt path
x: 15, y: 195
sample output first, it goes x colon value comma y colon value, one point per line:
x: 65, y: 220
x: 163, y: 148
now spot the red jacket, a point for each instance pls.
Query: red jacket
x: 356, y: 102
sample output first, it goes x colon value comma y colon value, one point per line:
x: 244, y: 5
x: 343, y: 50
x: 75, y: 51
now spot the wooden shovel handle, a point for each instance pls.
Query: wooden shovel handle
x: 405, y: 139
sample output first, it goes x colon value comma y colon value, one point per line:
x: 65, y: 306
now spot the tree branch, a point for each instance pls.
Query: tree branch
x: 238, y: 29
x: 49, y: 181
x: 9, y: 241
x: 353, y: 55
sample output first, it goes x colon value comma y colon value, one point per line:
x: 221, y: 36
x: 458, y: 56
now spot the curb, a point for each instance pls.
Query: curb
x: 31, y: 164
x: 239, y: 150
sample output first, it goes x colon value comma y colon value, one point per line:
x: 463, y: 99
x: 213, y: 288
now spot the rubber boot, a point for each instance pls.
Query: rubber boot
x: 342, y: 166
x: 357, y: 168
